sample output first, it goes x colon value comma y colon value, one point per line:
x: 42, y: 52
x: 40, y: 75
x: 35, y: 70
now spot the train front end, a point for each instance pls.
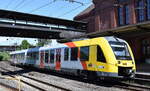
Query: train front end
x: 124, y: 60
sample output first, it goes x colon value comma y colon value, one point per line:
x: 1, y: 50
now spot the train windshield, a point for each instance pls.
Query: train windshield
x: 120, y: 50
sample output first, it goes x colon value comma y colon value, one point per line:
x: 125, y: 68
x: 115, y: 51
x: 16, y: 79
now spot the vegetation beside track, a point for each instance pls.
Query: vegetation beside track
x: 4, y: 56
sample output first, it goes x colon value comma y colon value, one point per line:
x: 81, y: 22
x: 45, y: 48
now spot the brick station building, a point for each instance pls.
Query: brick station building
x: 112, y: 14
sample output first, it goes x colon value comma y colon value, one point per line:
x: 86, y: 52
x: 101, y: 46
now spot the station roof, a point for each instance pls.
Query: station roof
x: 41, y: 19
x: 134, y: 30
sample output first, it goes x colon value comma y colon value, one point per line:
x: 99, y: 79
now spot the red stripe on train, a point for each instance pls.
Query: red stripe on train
x: 58, y: 59
x: 84, y: 65
x: 42, y: 60
x: 70, y: 44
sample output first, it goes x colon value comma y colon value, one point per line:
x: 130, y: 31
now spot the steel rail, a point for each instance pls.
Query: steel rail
x: 45, y: 83
x: 8, y: 87
x: 131, y: 86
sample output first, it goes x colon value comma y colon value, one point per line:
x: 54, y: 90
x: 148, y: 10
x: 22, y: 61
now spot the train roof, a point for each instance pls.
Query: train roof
x: 113, y: 38
x: 60, y: 45
x: 18, y: 52
x: 33, y: 49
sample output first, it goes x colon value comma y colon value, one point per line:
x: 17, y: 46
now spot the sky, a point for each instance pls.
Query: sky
x: 53, y: 8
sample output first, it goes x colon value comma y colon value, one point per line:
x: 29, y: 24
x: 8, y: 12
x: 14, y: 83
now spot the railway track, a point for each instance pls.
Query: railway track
x: 33, y: 80
x: 4, y: 87
x: 122, y: 85
x: 142, y: 81
x: 132, y: 86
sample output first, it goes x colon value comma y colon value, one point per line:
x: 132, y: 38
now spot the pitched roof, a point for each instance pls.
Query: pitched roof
x: 87, y: 10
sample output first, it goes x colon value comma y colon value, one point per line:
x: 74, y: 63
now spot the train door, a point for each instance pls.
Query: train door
x: 46, y: 58
x: 42, y: 59
x: 84, y: 56
x: 58, y: 59
x: 52, y: 59
x: 100, y: 59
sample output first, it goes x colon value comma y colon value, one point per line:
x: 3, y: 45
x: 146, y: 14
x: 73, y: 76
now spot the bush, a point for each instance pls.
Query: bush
x: 1, y: 58
x: 4, y: 56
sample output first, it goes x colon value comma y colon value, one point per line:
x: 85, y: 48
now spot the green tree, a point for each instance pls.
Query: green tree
x: 25, y: 44
x: 4, y: 56
x: 42, y: 42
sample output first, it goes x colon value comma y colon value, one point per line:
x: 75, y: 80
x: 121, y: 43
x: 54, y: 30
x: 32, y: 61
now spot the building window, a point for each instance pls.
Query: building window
x: 124, y: 15
x: 123, y: 1
x: 74, y: 54
x: 148, y: 9
x: 84, y: 53
x: 140, y: 10
x: 127, y: 14
x: 66, y: 54
x: 120, y: 16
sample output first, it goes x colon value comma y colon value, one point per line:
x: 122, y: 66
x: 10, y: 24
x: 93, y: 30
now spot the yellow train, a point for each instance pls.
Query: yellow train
x: 94, y: 58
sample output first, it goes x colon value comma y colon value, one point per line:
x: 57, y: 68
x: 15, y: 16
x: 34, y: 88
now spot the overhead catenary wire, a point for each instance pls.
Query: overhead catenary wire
x: 70, y: 11
x: 72, y: 1
x: 41, y: 6
x: 25, y: 4
x: 61, y: 8
x: 9, y: 3
x: 21, y: 2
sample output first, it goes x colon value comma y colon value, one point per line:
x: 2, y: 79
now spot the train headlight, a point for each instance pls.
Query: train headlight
x: 119, y: 62
x: 130, y: 71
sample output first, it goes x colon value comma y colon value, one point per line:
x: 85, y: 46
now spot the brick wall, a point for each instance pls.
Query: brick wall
x: 104, y: 16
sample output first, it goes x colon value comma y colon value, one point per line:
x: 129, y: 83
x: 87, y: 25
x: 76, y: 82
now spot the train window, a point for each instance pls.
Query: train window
x: 84, y: 53
x: 32, y: 55
x: 46, y: 56
x: 22, y: 56
x: 36, y: 55
x: 66, y: 54
x: 28, y: 56
x: 100, y: 55
x: 74, y: 54
x: 120, y: 50
x: 52, y: 52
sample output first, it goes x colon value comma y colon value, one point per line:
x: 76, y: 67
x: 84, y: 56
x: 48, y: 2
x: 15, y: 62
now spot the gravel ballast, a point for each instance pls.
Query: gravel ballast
x: 73, y: 85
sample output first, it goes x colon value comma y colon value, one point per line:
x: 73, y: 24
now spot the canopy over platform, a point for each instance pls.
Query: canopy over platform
x: 17, y: 24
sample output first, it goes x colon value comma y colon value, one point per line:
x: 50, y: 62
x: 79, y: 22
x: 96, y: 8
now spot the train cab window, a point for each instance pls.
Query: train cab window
x: 84, y: 53
x: 100, y: 55
x: 74, y: 54
x: 120, y: 50
x: 46, y: 56
x: 52, y: 53
x: 66, y: 54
